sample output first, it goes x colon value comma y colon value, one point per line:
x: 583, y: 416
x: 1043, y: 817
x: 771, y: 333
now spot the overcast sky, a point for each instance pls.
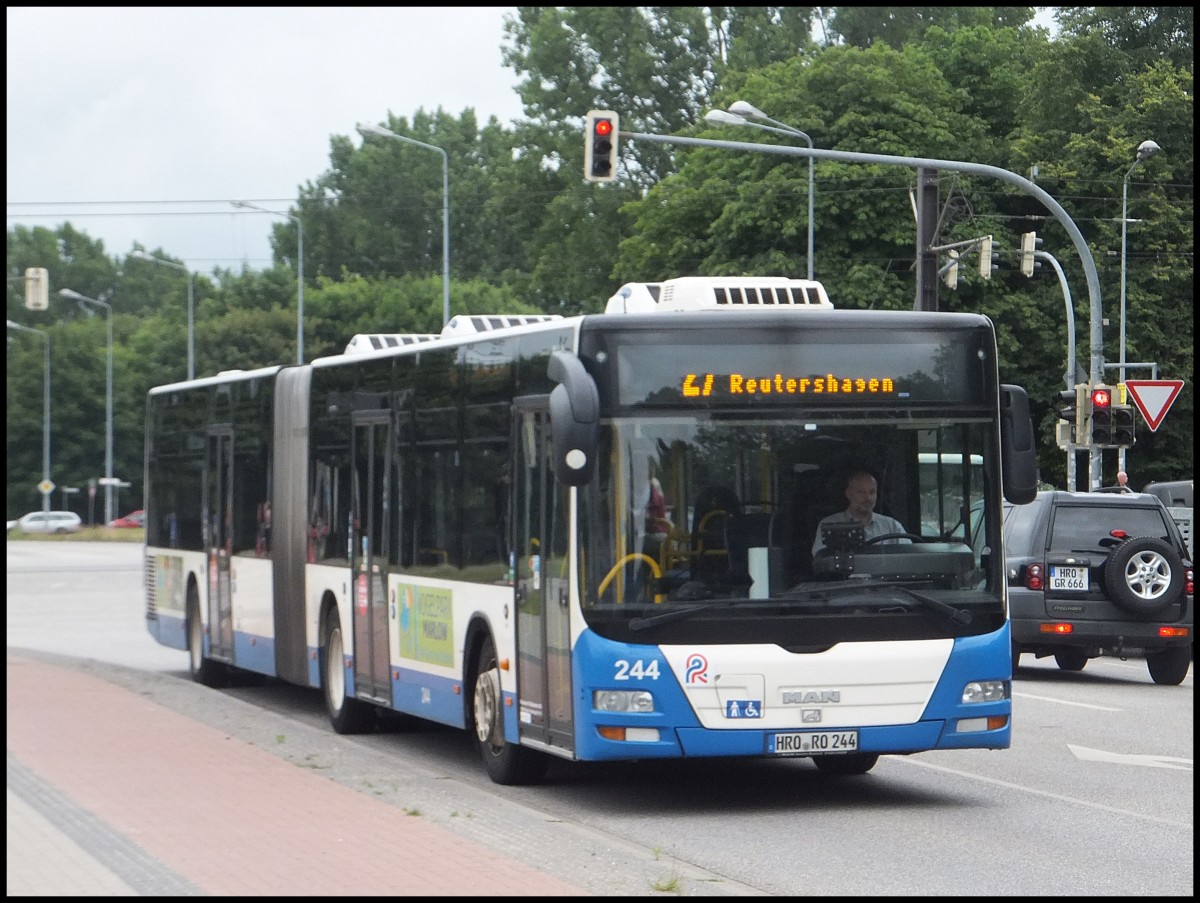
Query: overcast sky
x: 122, y: 120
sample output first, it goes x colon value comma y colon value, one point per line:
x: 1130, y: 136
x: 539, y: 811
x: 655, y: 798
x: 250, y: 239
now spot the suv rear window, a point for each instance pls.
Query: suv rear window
x: 1085, y: 529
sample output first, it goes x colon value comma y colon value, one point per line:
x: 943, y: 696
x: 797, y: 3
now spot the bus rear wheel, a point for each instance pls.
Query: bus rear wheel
x: 203, y: 670
x: 847, y: 764
x: 506, y: 763
x: 347, y: 715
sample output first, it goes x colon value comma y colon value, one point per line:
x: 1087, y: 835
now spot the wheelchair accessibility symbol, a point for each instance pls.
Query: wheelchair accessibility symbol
x: 743, y: 708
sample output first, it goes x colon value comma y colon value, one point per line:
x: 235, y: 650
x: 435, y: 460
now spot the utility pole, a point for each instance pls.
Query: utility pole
x: 927, y: 224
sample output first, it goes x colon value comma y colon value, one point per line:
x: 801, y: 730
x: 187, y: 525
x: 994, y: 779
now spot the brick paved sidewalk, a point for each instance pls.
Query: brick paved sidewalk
x: 112, y: 794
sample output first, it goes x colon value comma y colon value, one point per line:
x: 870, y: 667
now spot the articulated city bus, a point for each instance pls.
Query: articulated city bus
x: 592, y: 538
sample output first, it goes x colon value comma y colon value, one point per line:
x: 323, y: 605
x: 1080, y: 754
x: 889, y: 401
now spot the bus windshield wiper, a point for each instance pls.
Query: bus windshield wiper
x: 677, y: 614
x: 957, y: 615
x: 674, y: 614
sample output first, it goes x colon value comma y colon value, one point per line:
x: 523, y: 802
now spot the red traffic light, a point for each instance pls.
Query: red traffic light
x: 1101, y: 398
x: 600, y: 146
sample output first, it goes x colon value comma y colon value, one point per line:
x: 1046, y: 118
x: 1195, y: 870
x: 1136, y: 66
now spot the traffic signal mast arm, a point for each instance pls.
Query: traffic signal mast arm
x: 950, y: 270
x: 1028, y: 255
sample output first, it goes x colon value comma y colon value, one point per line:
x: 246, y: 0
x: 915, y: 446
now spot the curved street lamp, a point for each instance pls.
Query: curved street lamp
x: 45, y: 411
x: 246, y: 205
x: 191, y: 334
x: 366, y: 129
x: 1145, y: 150
x: 108, y: 480
x: 740, y: 113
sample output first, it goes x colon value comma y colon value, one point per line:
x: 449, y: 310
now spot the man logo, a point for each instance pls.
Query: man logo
x: 810, y: 716
x: 801, y: 697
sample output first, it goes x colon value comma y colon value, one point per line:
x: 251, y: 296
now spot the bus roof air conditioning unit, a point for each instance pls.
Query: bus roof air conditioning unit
x: 366, y: 342
x: 717, y: 293
x: 473, y: 325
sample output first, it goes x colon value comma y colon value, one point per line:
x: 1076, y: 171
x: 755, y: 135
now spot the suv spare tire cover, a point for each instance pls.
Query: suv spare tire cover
x: 1144, y: 575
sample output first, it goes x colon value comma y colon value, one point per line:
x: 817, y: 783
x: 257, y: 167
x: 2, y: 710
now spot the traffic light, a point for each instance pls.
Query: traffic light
x: 1124, y: 432
x: 1029, y: 243
x: 985, y: 257
x: 1102, y: 420
x: 951, y: 276
x: 37, y: 288
x: 1076, y: 412
x: 600, y: 146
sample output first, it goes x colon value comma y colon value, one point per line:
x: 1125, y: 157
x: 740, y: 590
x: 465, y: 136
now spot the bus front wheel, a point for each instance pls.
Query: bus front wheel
x: 347, y: 715
x: 506, y: 763
x: 846, y: 764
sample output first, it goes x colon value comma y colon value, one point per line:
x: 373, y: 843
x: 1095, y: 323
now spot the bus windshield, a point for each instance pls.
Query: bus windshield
x: 730, y: 511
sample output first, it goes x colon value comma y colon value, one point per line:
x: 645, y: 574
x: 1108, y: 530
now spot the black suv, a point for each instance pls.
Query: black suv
x: 1093, y: 572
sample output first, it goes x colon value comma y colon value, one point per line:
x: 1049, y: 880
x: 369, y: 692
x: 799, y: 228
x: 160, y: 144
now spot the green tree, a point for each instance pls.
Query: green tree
x: 862, y: 26
x: 1145, y: 35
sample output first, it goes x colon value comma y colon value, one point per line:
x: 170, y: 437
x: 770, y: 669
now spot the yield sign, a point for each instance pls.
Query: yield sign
x: 1153, y: 397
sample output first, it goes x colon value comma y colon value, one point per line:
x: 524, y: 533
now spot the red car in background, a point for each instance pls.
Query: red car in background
x: 132, y: 519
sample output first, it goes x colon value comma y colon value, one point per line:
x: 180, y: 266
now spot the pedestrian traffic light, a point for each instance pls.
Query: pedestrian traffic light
x: 600, y: 146
x: 1124, y: 431
x: 1075, y: 412
x: 1102, y: 424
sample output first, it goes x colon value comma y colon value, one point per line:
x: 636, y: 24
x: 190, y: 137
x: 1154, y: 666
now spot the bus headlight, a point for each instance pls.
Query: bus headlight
x: 622, y: 701
x: 985, y: 691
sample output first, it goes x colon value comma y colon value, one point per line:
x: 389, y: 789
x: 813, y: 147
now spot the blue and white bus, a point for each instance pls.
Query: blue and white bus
x: 590, y: 538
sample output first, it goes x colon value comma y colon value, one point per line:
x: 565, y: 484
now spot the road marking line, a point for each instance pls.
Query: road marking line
x: 1085, y: 754
x: 1082, y: 705
x: 908, y: 760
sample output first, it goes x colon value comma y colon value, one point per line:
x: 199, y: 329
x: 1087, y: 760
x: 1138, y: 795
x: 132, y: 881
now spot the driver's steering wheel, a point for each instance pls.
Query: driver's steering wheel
x: 886, y: 536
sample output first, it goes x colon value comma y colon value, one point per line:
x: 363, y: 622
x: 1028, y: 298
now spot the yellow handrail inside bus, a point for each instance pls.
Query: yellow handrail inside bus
x: 624, y: 560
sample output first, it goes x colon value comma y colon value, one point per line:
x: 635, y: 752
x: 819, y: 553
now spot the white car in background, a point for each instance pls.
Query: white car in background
x: 50, y: 522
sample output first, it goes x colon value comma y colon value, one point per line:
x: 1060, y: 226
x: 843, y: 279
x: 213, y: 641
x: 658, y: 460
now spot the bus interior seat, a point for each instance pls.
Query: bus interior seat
x: 715, y: 505
x: 819, y: 495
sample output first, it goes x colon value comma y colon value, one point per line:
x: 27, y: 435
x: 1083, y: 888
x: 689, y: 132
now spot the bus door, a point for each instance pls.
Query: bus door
x: 539, y: 507
x: 369, y: 562
x: 218, y: 544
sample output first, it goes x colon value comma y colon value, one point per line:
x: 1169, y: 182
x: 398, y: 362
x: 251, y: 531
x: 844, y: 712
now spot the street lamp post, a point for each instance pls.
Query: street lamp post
x: 366, y: 129
x: 1145, y: 150
x: 299, y: 270
x: 737, y: 114
x: 191, y: 333
x: 109, y: 513
x: 45, y: 411
x: 1031, y: 188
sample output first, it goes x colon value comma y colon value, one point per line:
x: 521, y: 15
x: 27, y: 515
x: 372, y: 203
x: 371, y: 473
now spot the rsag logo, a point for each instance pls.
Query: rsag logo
x: 697, y: 669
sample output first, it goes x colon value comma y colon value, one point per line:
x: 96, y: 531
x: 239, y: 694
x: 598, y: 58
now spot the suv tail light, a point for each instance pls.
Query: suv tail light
x: 1035, y: 577
x: 1189, y: 582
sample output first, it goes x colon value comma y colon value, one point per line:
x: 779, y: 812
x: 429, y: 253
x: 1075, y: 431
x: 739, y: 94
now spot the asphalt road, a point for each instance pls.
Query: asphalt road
x: 1094, y: 798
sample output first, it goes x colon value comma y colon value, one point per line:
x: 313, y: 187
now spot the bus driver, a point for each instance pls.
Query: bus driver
x: 862, y: 491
